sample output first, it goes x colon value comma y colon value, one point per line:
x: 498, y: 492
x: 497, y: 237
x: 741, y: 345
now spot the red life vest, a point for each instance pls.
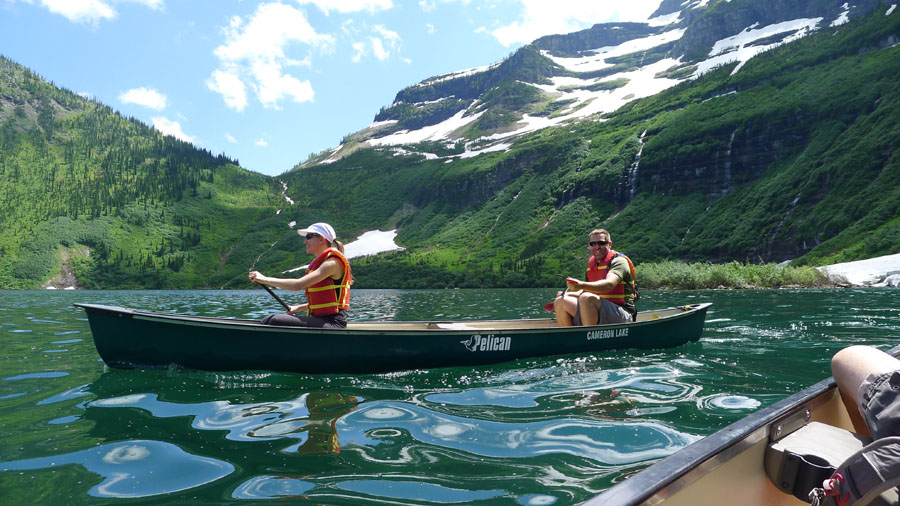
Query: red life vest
x: 326, y: 297
x: 598, y: 270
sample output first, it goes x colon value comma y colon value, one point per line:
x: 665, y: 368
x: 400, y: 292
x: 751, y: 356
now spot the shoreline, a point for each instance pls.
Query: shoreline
x: 877, y: 272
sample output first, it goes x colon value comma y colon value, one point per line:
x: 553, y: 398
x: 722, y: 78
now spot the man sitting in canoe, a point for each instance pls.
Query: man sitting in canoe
x: 327, y: 283
x: 608, y: 294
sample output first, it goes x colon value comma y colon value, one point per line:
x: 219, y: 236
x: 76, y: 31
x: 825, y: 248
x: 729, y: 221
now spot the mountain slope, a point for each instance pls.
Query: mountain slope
x: 109, y: 198
x: 793, y: 156
x: 564, y: 78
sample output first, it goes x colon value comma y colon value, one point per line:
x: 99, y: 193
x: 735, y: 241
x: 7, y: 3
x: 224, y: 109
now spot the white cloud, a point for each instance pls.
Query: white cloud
x: 378, y: 49
x: 255, y: 55
x: 430, y: 5
x: 272, y: 85
x: 360, y: 49
x: 348, y: 6
x: 540, y: 17
x: 429, y: 28
x: 146, y: 97
x: 156, y: 5
x: 349, y: 28
x: 390, y: 38
x: 81, y: 11
x: 384, y: 43
x: 92, y: 11
x: 390, y: 35
x: 230, y: 138
x: 261, y: 143
x: 228, y: 84
x: 169, y: 127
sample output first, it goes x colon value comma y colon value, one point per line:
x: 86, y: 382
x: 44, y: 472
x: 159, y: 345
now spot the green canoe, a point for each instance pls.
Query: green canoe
x: 131, y: 338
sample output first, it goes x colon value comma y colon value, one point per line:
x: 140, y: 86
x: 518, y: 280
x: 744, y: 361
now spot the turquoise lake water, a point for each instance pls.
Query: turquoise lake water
x: 554, y: 430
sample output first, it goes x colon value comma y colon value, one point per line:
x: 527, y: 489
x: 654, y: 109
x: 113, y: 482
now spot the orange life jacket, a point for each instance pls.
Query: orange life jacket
x: 326, y: 297
x: 598, y: 270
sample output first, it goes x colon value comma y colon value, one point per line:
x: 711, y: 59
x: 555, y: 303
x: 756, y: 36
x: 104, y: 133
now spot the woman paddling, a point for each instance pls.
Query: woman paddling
x: 327, y: 283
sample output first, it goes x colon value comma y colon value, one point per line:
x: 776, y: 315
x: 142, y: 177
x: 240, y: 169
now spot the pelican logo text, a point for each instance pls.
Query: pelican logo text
x: 606, y: 334
x: 489, y: 342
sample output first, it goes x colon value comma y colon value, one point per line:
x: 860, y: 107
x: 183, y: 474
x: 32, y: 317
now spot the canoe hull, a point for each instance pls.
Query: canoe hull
x: 128, y: 338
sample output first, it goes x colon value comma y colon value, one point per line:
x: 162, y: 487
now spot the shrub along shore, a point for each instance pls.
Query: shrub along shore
x: 398, y: 271
x: 701, y: 275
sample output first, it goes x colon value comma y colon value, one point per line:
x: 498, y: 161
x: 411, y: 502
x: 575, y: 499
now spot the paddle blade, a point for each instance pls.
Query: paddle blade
x: 548, y: 307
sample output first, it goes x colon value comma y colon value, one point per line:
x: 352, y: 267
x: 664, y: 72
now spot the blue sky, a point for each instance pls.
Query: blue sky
x: 270, y: 82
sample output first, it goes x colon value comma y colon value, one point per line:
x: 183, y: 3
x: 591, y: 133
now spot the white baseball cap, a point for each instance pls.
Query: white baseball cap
x: 322, y: 229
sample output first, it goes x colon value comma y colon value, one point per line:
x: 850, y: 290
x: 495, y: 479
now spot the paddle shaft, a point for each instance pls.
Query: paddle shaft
x: 276, y: 297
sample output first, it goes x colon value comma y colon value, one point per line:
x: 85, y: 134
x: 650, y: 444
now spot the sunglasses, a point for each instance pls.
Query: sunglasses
x: 310, y: 236
x: 598, y: 243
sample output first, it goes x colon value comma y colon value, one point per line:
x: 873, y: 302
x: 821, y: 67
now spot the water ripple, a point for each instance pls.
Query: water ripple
x: 137, y: 468
x: 606, y: 442
x: 271, y: 487
x: 37, y: 375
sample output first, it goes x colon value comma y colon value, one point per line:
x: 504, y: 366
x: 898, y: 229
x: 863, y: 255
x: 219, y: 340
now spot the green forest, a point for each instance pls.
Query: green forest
x: 124, y: 205
x: 792, y: 158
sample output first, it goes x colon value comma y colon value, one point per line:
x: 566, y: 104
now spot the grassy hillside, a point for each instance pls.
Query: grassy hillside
x: 111, y: 199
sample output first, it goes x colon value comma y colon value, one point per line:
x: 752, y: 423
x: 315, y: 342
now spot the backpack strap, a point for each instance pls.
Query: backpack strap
x: 863, y: 476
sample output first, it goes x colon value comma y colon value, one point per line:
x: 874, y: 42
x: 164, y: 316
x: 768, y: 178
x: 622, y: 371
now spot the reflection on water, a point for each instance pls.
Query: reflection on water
x: 310, y: 419
x: 555, y: 430
x: 135, y: 468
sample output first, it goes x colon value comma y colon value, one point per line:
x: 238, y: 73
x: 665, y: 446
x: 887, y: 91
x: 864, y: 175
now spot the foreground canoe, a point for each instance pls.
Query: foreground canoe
x: 748, y: 463
x: 130, y: 338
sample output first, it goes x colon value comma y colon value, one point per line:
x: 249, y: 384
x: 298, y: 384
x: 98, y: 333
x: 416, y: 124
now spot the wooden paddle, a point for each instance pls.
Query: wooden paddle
x: 276, y: 297
x: 284, y: 304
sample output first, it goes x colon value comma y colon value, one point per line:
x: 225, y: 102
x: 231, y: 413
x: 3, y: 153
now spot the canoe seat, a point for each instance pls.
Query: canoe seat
x: 798, y: 461
x: 801, y: 460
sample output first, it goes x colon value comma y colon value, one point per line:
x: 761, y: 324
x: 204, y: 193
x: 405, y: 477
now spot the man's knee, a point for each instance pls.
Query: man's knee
x: 588, y: 298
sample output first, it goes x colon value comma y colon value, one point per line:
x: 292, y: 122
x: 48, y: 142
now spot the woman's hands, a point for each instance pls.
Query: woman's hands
x: 297, y: 308
x: 257, y: 277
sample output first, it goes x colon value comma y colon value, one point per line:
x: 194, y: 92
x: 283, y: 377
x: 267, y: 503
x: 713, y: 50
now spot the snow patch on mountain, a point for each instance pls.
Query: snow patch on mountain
x: 665, y: 19
x: 743, y: 46
x: 879, y: 271
x: 432, y: 132
x: 641, y: 83
x: 372, y: 243
x: 843, y: 17
x: 596, y: 59
x: 402, y: 152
